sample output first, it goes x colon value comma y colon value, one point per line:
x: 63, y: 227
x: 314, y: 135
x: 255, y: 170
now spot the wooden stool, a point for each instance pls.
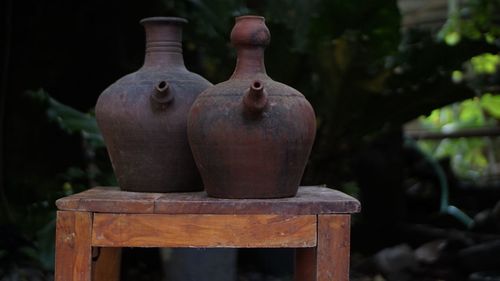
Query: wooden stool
x: 93, y: 225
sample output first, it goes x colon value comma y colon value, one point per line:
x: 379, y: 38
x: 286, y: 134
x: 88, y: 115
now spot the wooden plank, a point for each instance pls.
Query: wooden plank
x: 109, y: 199
x: 305, y: 264
x: 73, y: 249
x: 309, y: 201
x: 106, y: 266
x: 333, y: 247
x: 242, y: 231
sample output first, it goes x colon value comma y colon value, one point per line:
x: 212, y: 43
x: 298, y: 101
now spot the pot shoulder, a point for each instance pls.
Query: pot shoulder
x: 134, y: 90
x: 219, y: 115
x: 147, y: 77
x: 238, y: 87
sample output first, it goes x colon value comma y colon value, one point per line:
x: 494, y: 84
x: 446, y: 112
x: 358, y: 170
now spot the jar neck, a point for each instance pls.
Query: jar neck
x: 250, y: 61
x: 163, y: 44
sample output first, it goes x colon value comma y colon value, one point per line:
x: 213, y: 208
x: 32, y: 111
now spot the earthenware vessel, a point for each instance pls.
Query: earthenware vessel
x: 251, y: 136
x: 143, y: 115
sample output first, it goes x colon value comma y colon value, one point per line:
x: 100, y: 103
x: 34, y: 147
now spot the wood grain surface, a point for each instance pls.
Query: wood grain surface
x: 333, y: 248
x: 73, y: 246
x: 309, y: 201
x: 242, y: 231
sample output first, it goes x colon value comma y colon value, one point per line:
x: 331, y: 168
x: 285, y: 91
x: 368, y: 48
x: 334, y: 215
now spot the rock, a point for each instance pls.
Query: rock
x: 397, y: 263
x: 430, y: 252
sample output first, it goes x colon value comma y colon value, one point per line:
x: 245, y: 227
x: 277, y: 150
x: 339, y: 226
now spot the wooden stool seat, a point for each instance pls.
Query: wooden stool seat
x: 93, y: 225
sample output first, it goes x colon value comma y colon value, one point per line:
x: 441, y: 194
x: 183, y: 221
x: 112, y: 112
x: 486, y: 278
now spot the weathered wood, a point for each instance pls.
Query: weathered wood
x: 309, y: 201
x: 73, y: 249
x: 333, y: 248
x: 305, y: 264
x: 130, y: 219
x: 109, y: 199
x: 147, y: 230
x: 106, y: 266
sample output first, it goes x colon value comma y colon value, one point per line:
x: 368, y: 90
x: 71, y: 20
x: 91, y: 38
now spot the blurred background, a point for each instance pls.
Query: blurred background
x: 407, y: 100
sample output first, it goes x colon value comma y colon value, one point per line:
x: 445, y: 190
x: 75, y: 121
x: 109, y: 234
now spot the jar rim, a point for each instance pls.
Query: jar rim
x: 250, y: 17
x: 164, y: 19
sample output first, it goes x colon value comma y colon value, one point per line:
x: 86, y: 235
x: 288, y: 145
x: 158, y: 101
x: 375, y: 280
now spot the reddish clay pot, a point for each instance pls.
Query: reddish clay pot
x: 143, y: 115
x: 251, y: 136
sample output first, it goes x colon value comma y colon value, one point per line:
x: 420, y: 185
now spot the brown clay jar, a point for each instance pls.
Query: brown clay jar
x: 251, y: 136
x: 143, y: 115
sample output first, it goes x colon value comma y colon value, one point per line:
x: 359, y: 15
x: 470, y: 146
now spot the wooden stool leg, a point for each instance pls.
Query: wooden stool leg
x: 333, y: 247
x: 106, y: 266
x: 73, y: 246
x: 305, y: 264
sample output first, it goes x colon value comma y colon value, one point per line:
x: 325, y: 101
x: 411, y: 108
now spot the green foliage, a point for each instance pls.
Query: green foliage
x: 474, y: 19
x: 485, y: 63
x: 71, y: 120
x: 491, y: 104
x: 38, y: 225
x: 468, y: 155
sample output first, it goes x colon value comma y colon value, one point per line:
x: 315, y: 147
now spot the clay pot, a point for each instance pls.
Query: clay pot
x: 251, y: 136
x: 143, y: 115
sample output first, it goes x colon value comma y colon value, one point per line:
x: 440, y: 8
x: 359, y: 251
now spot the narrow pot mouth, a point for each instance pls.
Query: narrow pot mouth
x: 174, y: 20
x: 250, y: 17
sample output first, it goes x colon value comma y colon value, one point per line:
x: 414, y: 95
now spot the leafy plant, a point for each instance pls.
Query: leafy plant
x: 73, y: 121
x: 469, y: 156
x: 31, y: 255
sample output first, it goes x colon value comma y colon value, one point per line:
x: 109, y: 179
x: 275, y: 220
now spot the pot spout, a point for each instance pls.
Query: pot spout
x: 255, y: 99
x: 162, y: 93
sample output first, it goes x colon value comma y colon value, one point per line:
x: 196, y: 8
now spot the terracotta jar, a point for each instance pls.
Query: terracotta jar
x: 143, y: 115
x: 251, y: 136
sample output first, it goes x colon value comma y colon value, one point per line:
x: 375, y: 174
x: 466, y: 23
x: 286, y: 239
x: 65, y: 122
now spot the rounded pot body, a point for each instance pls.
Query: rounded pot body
x: 143, y: 116
x: 251, y: 136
